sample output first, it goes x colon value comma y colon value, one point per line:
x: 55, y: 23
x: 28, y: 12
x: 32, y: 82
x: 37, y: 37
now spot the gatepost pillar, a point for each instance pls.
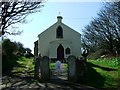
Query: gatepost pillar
x: 72, y: 69
x: 44, y: 67
x: 37, y: 67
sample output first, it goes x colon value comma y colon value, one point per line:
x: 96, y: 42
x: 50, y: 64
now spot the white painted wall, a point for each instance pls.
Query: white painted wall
x: 54, y: 45
x: 48, y: 43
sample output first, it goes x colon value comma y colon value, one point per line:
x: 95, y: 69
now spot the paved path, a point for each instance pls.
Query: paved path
x: 18, y: 83
x: 24, y: 80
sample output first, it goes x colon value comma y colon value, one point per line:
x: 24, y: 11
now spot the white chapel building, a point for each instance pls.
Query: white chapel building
x: 59, y: 41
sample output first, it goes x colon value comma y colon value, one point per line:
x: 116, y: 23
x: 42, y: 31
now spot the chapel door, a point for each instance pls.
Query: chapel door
x: 60, y: 52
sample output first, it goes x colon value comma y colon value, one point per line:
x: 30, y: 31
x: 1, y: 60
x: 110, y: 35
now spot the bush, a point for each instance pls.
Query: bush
x: 10, y: 53
x: 98, y: 54
x: 8, y: 58
x: 8, y: 61
x: 27, y: 55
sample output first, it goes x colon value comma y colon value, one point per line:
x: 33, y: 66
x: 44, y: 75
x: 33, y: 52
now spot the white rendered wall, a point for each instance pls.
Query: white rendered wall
x: 54, y: 45
x: 48, y: 43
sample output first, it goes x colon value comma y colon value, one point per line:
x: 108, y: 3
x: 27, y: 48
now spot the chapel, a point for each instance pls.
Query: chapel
x: 58, y: 41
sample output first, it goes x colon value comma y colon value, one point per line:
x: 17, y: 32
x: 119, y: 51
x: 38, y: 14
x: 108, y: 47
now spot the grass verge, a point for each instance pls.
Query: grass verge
x: 107, y: 70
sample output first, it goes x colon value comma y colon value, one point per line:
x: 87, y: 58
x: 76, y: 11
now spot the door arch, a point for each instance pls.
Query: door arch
x: 60, y: 52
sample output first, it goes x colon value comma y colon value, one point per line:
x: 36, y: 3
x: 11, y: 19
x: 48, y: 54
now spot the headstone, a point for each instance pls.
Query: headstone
x: 44, y: 67
x: 72, y: 69
x: 58, y: 67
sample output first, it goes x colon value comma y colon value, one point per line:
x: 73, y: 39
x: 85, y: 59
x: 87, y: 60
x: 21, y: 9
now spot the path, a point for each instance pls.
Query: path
x: 24, y: 83
x: 61, y: 75
x: 24, y: 80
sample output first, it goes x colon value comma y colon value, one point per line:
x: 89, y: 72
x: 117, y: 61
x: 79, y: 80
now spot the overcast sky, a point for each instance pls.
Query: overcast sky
x: 75, y: 14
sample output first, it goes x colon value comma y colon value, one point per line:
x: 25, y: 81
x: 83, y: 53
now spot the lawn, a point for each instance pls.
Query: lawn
x: 102, y: 73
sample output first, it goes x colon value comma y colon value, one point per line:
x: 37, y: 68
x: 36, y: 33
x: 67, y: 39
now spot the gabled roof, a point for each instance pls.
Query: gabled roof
x: 59, y: 23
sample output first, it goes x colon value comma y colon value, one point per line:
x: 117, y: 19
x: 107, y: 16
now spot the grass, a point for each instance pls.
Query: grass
x: 101, y: 73
x: 24, y: 65
x: 64, y: 65
x: 107, y: 70
x: 111, y: 62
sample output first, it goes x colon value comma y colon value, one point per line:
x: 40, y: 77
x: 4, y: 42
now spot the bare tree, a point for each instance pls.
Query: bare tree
x: 16, y: 12
x: 104, y: 31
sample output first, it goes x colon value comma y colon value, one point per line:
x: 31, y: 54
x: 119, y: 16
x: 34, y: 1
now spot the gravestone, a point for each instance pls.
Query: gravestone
x: 44, y: 67
x: 58, y: 66
x: 72, y: 69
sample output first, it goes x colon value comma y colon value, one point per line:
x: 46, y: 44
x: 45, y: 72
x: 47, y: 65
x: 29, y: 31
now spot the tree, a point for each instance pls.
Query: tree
x: 16, y: 12
x: 104, y: 32
x: 10, y: 52
x: 8, y: 58
x: 8, y: 47
x: 28, y: 50
x: 20, y: 47
x: 28, y: 53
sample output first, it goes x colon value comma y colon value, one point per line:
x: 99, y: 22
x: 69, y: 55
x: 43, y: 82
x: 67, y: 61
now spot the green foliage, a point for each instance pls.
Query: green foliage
x: 24, y: 65
x: 97, y: 54
x: 102, y: 73
x: 27, y: 55
x: 8, y: 47
x: 92, y: 77
x: 108, y: 62
x: 20, y: 47
x: 28, y: 50
x: 9, y: 56
x: 8, y: 62
x: 52, y: 66
x: 111, y: 78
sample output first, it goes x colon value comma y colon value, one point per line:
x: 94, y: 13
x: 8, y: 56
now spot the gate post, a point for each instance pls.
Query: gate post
x: 81, y: 67
x: 44, y: 67
x: 72, y: 69
x: 37, y: 67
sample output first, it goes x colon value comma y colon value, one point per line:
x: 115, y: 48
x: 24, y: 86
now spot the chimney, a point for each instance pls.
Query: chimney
x: 59, y: 18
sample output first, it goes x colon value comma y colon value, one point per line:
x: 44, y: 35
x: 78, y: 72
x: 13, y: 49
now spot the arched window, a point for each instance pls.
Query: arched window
x: 59, y: 32
x: 67, y: 51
